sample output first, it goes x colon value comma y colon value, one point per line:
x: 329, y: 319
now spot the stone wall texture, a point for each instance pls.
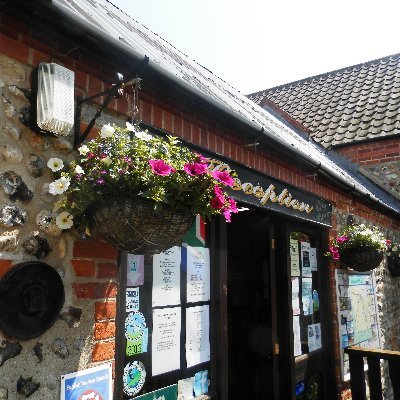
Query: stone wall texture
x: 85, y: 332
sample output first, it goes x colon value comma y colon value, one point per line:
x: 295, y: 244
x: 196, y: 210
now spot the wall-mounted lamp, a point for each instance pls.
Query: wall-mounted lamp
x: 55, y: 99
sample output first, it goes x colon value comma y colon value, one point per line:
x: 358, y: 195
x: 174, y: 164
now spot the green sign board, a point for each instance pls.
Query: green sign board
x: 167, y: 393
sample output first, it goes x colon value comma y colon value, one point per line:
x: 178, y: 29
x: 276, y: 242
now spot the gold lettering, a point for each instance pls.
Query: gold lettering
x: 308, y: 208
x: 288, y: 201
x: 237, y: 185
x: 281, y: 197
x: 302, y: 206
x: 247, y: 188
x: 268, y: 193
x: 258, y: 191
x: 295, y: 204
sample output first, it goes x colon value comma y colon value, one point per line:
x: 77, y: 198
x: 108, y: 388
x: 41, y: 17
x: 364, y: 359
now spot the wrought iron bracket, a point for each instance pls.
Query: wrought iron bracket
x: 116, y: 90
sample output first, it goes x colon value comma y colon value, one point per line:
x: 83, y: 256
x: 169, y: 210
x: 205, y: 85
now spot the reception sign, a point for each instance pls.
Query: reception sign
x: 260, y: 190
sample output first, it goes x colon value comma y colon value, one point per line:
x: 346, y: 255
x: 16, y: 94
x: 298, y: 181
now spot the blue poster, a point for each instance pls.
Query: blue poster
x: 93, y: 383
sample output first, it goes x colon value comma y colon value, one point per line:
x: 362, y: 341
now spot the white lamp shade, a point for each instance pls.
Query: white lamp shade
x: 55, y: 98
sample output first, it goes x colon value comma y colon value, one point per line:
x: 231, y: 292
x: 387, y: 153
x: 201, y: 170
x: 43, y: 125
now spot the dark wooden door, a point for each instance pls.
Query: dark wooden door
x: 251, y: 330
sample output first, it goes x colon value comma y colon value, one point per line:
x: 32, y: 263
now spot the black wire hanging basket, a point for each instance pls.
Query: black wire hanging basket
x: 135, y: 226
x: 361, y: 259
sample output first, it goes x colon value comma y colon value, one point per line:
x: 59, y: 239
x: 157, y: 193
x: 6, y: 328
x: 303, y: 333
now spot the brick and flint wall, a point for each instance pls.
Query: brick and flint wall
x: 85, y: 333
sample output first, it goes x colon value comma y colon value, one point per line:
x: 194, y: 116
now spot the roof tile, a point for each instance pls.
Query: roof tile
x: 363, y: 100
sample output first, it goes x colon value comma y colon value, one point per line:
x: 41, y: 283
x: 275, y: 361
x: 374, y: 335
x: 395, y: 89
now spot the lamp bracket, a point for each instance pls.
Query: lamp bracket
x: 116, y: 90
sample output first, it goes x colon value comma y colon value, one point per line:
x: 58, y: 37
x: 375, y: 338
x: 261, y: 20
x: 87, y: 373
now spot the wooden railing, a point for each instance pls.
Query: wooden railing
x: 357, y: 374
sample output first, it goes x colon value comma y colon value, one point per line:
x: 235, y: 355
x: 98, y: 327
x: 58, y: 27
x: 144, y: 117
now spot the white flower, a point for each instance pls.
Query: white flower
x: 55, y: 164
x: 106, y: 160
x: 59, y: 186
x: 79, y: 170
x: 130, y: 127
x: 64, y: 220
x: 107, y: 131
x: 143, y: 135
x: 83, y: 150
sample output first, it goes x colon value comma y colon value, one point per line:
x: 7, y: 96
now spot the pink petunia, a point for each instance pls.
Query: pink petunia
x: 195, y: 169
x: 218, y: 192
x: 159, y: 167
x: 217, y: 203
x: 388, y: 242
x: 232, y: 206
x: 335, y: 256
x: 227, y: 214
x: 223, y: 177
x: 201, y: 159
x: 342, y: 239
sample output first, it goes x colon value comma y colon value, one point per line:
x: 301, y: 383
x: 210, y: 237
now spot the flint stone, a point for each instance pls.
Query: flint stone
x: 71, y: 316
x: 37, y: 350
x: 8, y: 240
x: 11, y: 215
x: 3, y: 393
x: 46, y: 221
x: 62, y: 145
x: 13, y: 132
x: 59, y: 347
x: 46, y: 196
x: 36, y: 245
x: 9, y: 350
x: 25, y: 116
x: 27, y: 387
x: 35, y: 165
x: 15, y: 187
x: 11, y: 154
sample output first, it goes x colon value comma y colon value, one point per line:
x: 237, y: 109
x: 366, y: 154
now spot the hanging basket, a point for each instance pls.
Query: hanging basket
x: 132, y: 225
x: 393, y: 264
x: 361, y: 259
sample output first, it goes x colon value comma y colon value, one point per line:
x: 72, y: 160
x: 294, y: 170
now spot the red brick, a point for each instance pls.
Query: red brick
x: 95, y: 290
x: 168, y: 121
x: 107, y: 270
x: 122, y: 106
x: 105, y: 290
x: 38, y: 57
x: 84, y: 267
x: 104, y: 330
x: 35, y: 44
x: 105, y: 310
x: 145, y: 109
x: 195, y: 134
x: 5, y: 266
x: 103, y: 351
x: 94, y: 249
x: 12, y: 48
x: 178, y: 125
x: 157, y: 116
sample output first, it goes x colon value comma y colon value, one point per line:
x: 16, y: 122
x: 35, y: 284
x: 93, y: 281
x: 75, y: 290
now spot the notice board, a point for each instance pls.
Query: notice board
x: 357, y: 313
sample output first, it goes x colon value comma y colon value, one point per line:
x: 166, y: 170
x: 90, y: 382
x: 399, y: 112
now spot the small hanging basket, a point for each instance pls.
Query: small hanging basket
x: 361, y: 259
x: 393, y: 264
x: 134, y: 226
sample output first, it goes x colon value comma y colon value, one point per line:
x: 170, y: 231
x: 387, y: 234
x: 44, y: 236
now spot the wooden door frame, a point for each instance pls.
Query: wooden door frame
x: 287, y: 360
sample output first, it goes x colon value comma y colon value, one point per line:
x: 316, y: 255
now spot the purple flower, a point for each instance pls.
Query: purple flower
x: 233, y: 206
x: 201, y: 159
x: 100, y: 181
x: 159, y: 167
x: 90, y: 155
x: 103, y: 172
x: 223, y: 177
x: 195, y: 169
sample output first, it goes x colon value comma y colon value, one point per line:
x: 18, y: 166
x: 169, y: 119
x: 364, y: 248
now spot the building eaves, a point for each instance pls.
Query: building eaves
x: 109, y: 25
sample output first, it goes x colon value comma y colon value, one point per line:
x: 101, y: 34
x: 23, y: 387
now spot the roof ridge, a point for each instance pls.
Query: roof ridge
x: 311, y: 78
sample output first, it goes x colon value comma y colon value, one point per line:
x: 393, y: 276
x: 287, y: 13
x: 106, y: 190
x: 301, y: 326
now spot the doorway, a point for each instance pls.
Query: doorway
x: 250, y: 330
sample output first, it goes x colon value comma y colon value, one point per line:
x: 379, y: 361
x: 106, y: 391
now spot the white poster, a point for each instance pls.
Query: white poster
x: 294, y: 258
x: 197, y: 335
x: 305, y: 259
x: 296, y: 336
x: 295, y: 296
x: 306, y: 296
x: 313, y: 259
x: 314, y: 337
x: 132, y: 299
x: 198, y: 274
x: 166, y: 348
x: 166, y: 278
x: 186, y: 389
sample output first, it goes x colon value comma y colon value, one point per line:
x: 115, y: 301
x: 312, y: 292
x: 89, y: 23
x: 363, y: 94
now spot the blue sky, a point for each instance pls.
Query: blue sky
x: 258, y: 44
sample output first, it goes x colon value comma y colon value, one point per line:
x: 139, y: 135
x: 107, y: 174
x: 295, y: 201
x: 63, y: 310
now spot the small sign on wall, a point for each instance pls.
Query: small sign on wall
x: 88, y: 384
